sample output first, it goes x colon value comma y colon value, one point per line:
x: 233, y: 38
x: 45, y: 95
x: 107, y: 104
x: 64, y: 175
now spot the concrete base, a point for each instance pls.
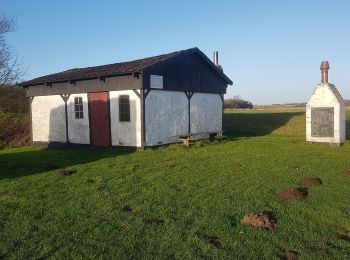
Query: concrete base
x: 325, y: 143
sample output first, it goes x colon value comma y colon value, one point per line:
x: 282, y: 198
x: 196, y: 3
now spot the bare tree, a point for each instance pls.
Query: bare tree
x: 10, y: 63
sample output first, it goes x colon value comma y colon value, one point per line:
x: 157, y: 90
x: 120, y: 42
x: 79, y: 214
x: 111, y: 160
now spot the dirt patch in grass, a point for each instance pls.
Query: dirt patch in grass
x: 135, y: 167
x: 127, y: 208
x: 291, y: 255
x: 259, y: 220
x: 63, y: 172
x: 169, y: 166
x: 154, y: 222
x: 344, y: 235
x: 293, y: 168
x: 291, y: 194
x: 310, y: 182
x: 237, y: 165
x: 344, y: 173
x: 213, y: 240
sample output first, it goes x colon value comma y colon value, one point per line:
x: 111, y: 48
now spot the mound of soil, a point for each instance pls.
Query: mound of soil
x: 291, y: 255
x: 291, y: 194
x: 310, y: 182
x: 344, y: 173
x: 260, y: 220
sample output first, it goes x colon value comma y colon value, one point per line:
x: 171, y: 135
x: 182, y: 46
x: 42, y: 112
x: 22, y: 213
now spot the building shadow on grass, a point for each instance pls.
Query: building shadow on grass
x: 21, y: 163
x: 255, y: 123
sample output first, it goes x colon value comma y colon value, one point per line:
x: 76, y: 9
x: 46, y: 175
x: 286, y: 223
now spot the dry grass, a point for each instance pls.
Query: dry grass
x: 14, y: 130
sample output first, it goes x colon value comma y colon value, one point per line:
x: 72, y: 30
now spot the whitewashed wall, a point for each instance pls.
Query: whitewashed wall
x: 326, y: 95
x: 78, y: 129
x: 125, y: 133
x: 206, y: 113
x: 48, y: 119
x: 166, y: 115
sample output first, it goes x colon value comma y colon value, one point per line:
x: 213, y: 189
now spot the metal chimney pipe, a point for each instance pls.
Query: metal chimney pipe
x: 216, y: 58
x: 324, y: 72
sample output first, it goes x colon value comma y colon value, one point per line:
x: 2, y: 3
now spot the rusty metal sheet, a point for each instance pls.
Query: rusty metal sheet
x: 322, y: 122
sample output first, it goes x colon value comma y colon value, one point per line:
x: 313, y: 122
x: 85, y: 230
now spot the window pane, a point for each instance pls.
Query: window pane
x: 124, y: 108
x: 78, y: 107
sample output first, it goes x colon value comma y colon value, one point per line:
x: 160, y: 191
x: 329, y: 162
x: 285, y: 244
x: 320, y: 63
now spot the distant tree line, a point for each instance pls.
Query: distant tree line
x: 237, y: 102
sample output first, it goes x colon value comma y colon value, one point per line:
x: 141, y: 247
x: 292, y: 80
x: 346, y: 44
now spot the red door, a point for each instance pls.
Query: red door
x: 99, y: 119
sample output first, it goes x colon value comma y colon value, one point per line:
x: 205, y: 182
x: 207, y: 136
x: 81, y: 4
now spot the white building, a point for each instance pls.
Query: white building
x: 325, y: 113
x: 140, y: 103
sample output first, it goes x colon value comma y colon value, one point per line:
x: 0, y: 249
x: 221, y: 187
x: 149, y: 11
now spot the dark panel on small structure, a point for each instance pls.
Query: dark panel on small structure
x: 322, y: 119
x: 187, y: 71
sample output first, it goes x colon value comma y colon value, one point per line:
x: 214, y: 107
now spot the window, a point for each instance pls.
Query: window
x: 156, y: 81
x: 124, y: 108
x: 78, y: 107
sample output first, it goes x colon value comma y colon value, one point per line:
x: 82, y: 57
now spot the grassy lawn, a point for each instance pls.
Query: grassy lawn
x: 170, y: 202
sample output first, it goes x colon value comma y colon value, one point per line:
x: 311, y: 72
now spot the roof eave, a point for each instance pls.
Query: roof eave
x: 27, y: 84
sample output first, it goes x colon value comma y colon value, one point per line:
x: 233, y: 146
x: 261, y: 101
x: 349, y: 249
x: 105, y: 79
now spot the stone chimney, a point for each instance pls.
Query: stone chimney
x: 324, y: 72
x: 216, y: 60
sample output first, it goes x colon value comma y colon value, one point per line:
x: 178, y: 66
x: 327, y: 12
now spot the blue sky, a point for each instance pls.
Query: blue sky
x: 271, y: 50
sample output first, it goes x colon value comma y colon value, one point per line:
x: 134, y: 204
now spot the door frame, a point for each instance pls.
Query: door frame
x: 109, y: 117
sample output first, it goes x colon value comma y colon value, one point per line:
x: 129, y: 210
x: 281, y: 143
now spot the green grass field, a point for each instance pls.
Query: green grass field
x: 169, y: 202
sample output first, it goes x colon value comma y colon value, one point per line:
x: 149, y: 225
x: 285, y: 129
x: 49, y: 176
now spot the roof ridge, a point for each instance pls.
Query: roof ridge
x: 122, y: 62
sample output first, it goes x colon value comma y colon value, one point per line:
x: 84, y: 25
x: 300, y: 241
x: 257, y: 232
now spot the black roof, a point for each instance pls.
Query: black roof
x: 118, y: 69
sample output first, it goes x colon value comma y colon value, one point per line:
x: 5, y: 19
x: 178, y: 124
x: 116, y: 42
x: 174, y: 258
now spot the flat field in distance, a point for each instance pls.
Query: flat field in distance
x: 180, y: 202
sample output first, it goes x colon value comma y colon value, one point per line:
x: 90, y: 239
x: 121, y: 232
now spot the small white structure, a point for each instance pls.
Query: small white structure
x: 141, y: 103
x: 325, y: 113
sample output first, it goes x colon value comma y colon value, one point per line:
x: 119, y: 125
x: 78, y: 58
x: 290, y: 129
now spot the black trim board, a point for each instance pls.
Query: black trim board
x: 137, y: 93
x: 147, y: 91
x: 189, y: 95
x: 65, y: 98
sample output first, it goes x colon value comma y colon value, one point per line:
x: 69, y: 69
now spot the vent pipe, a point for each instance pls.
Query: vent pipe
x: 324, y: 72
x: 216, y: 58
